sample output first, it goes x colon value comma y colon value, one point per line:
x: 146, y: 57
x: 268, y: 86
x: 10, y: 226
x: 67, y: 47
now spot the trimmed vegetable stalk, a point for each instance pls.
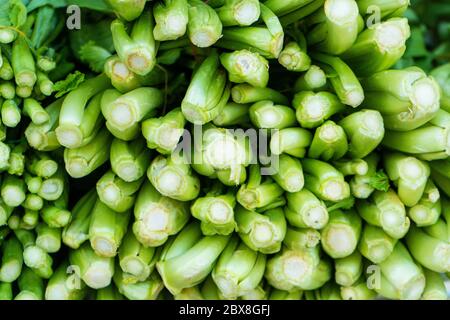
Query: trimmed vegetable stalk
x: 358, y: 291
x: 297, y: 238
x: 12, y: 260
x: 48, y: 238
x: 233, y: 114
x: 204, y: 27
x: 340, y: 236
x: 245, y: 93
x: 137, y: 50
x: 80, y: 162
x: 435, y: 287
x: 56, y: 213
x: 409, y: 174
x: 80, y: 117
x: 428, y: 210
x: 386, y: 9
x: 95, y: 271
x: 164, y: 133
x: 314, y: 79
x: 129, y: 10
x: 345, y: 83
x: 329, y: 142
x: 294, y: 56
x: 351, y: 167
x: 301, y: 269
x: 13, y: 191
x: 244, y: 66
x: 383, y: 44
x: 263, y: 232
x: 266, y: 40
x: 116, y: 193
x: 174, y: 178
x: 401, y: 277
x: 216, y: 211
x: 349, y: 269
x: 53, y: 187
x: 129, y: 160
x: 385, y: 210
x: 208, y: 92
x: 22, y: 62
x: 77, y: 231
x: 313, y: 109
x: 10, y: 114
x: 6, y: 292
x: 362, y: 186
x: 171, y: 19
x: 239, y: 270
x: 148, y: 289
x: 188, y: 259
x: 325, y: 181
x: 407, y: 99
x: 289, y: 174
x: 123, y: 113
x: 40, y: 164
x: 267, y: 115
x: 441, y: 74
x: 258, y: 192
x: 31, y: 286
x: 305, y: 210
x: 292, y: 141
x: 238, y: 12
x: 375, y: 244
x: 65, y: 285
x: 34, y: 257
x: 107, y: 229
x: 157, y: 217
x: 136, y: 260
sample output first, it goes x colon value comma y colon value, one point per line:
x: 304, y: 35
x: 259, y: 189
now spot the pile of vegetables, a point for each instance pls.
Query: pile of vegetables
x: 224, y: 149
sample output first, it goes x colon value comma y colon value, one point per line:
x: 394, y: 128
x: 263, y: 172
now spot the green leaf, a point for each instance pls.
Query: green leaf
x: 72, y: 82
x: 380, y: 181
x: 12, y: 13
x: 94, y: 55
x: 98, y: 5
x: 35, y: 4
x: 345, y: 204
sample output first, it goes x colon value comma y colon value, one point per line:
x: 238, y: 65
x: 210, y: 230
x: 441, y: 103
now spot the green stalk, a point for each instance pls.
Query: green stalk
x: 292, y: 141
x: 48, y: 238
x: 5, y: 212
x: 16, y: 165
x: 340, y: 236
x: 305, y: 210
x: 95, y: 271
x: 107, y: 229
x: 24, y: 91
x: 401, y: 277
x: 43, y: 137
x: 129, y: 10
x: 329, y: 142
x: 358, y: 291
x: 13, y: 191
x: 314, y: 79
x: 129, y: 160
x: 109, y: 293
x: 244, y: 66
x: 40, y: 164
x: 365, y: 131
x: 12, y: 260
x: 301, y: 269
x: 204, y: 27
x: 349, y: 269
x: 171, y: 19
x: 64, y: 285
x: 385, y: 8
x: 325, y: 181
x: 258, y: 192
x: 383, y: 44
x: 79, y: 119
x: 362, y: 186
x: 233, y: 114
x: 238, y: 12
x: 276, y: 294
x: 157, y: 217
x: 123, y: 113
x: 31, y: 286
x: 266, y: 40
x: 164, y: 133
x: 263, y: 232
x: 289, y: 174
x: 216, y: 211
x: 82, y: 161
x: 77, y: 231
x: 6, y: 292
x: 441, y: 74
x: 431, y: 252
x: 335, y: 27
x: 173, y: 178
x: 297, y: 238
x: 268, y: 115
x: 188, y: 259
x: 343, y: 80
x: 35, y: 257
x: 6, y: 70
x: 409, y: 174
x: 375, y: 244
x: 294, y: 56
x: 136, y: 260
x: 22, y: 62
x: 428, y: 210
x: 208, y: 92
x: 430, y: 142
x: 7, y: 90
x: 385, y: 210
x: 148, y: 289
x: 34, y: 110
x: 435, y: 286
x: 116, y: 193
x: 245, y: 93
x: 29, y: 220
x: 239, y: 270
x: 407, y: 99
x: 56, y: 214
x: 5, y: 155
x: 53, y: 187
x: 45, y: 85
x: 351, y: 167
x: 138, y: 50
x: 10, y: 114
x: 313, y: 109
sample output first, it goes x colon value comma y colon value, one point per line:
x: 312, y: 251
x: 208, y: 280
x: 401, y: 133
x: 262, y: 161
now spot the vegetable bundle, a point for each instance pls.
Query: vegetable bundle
x: 222, y: 149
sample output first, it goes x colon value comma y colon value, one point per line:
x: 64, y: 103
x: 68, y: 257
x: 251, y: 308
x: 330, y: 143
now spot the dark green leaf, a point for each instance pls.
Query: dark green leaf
x: 72, y: 82
x: 380, y: 181
x: 94, y: 55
